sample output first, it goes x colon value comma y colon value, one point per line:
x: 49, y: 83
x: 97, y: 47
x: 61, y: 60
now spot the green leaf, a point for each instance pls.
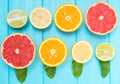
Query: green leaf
x: 77, y: 68
x: 21, y: 74
x: 105, y: 68
x: 50, y: 71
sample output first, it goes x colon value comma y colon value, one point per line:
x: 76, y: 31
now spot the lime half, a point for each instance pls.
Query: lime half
x: 105, y: 52
x: 17, y: 18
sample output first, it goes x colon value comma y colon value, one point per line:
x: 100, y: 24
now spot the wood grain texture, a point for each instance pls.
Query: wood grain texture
x: 115, y: 41
x: 36, y: 74
x: 4, y: 74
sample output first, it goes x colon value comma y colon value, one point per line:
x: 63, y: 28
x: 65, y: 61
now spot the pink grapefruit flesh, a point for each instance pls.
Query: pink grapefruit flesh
x: 18, y: 51
x: 101, y: 18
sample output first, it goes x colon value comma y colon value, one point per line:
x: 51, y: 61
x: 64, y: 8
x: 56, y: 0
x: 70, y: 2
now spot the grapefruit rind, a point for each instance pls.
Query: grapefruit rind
x: 73, y: 52
x: 10, y: 64
x: 65, y: 56
x: 72, y: 30
x: 44, y: 27
x: 97, y: 33
x: 105, y: 59
x: 26, y: 18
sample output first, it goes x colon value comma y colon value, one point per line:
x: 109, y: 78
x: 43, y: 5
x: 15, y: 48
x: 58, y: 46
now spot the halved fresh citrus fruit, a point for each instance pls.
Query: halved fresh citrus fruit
x: 18, y: 51
x: 68, y: 17
x: 101, y: 18
x: 40, y: 18
x: 105, y: 52
x: 52, y: 52
x: 81, y: 52
x: 17, y: 18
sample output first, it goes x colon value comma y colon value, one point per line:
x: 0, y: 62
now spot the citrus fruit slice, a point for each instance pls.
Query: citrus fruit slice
x: 105, y: 52
x: 101, y: 18
x: 17, y: 18
x: 68, y: 17
x: 40, y: 18
x: 52, y: 52
x: 81, y: 52
x: 18, y: 51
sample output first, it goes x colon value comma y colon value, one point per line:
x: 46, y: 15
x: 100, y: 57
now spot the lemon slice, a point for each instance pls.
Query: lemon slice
x: 17, y: 18
x: 105, y: 52
x: 40, y: 18
x: 82, y: 52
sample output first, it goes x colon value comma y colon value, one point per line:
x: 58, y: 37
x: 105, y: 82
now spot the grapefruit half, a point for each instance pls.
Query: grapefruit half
x: 101, y: 18
x: 18, y: 51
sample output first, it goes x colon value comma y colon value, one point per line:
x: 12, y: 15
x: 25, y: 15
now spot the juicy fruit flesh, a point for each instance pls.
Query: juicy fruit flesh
x: 52, y: 52
x: 17, y: 18
x: 101, y: 18
x: 105, y: 52
x: 81, y: 52
x: 18, y: 50
x: 40, y: 17
x: 68, y: 17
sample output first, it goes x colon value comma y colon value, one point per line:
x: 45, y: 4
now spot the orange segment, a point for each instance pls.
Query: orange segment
x: 68, y: 18
x: 52, y: 52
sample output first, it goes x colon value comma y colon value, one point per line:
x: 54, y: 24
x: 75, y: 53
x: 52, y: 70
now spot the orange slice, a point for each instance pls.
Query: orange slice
x: 53, y: 52
x: 40, y: 18
x: 82, y: 52
x: 68, y: 17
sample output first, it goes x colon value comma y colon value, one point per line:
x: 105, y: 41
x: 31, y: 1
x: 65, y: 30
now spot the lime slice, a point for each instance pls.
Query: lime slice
x: 105, y: 52
x: 82, y: 52
x: 17, y: 18
x: 40, y: 18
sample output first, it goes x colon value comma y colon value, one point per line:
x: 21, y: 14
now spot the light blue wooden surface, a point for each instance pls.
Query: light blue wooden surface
x: 36, y: 73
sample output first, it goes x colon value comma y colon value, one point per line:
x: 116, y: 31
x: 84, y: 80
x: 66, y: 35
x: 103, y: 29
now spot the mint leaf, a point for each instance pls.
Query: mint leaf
x: 21, y: 74
x: 77, y: 68
x: 105, y: 68
x: 50, y: 71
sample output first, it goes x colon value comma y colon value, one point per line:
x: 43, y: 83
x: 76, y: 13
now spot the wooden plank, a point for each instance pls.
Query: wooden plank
x: 4, y: 32
x: 64, y: 71
x: 115, y: 41
x: 35, y: 72
x: 91, y: 71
